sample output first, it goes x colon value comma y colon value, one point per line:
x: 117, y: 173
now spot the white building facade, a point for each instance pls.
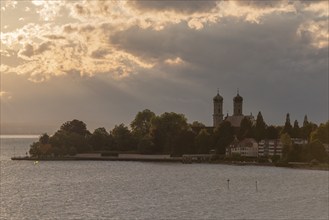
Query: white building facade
x: 245, y: 148
x: 270, y: 148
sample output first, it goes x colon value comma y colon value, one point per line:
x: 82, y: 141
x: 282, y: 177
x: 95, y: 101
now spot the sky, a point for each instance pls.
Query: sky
x: 103, y: 61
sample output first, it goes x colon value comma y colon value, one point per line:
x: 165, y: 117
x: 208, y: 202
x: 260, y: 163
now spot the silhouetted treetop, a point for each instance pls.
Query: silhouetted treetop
x: 75, y: 126
x: 142, y: 123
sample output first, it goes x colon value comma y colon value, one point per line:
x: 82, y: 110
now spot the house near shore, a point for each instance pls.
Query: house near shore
x: 248, y: 147
x: 270, y: 148
x: 274, y: 147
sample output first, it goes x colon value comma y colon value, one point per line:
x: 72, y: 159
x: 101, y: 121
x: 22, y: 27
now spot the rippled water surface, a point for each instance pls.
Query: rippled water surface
x: 136, y: 190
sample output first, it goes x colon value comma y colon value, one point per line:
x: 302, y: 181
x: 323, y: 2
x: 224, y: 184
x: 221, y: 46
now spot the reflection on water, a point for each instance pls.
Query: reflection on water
x: 135, y: 190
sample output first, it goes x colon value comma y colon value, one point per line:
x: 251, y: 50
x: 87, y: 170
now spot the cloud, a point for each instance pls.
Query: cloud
x: 48, y: 9
x: 123, y: 38
x: 184, y: 6
x: 315, y: 33
x: 264, y: 60
x: 54, y: 37
x: 81, y: 52
x: 100, y: 53
x: 30, y: 50
x: 27, y: 51
x: 175, y: 61
x: 262, y: 4
x: 68, y: 28
x: 8, y: 4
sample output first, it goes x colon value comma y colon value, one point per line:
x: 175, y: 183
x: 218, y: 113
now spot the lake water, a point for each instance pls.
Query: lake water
x: 137, y: 190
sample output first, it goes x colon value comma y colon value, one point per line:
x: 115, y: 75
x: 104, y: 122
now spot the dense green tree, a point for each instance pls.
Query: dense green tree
x: 307, y: 129
x: 223, y: 136
x: 75, y: 126
x: 44, y: 138
x: 285, y: 139
x: 65, y: 140
x: 286, y: 145
x: 72, y: 151
x: 59, y: 141
x: 245, y: 130
x: 272, y: 132
x: 142, y: 123
x: 197, y: 124
x: 165, y: 131
x: 35, y: 149
x: 171, y: 134
x: 39, y: 149
x: 321, y: 133
x: 295, y: 132
x: 56, y: 151
x: 184, y: 143
x: 295, y: 153
x: 123, y: 139
x: 72, y: 135
x: 259, y: 128
x: 287, y: 126
x: 101, y: 140
x: 146, y: 145
x: 203, y: 142
x: 314, y: 150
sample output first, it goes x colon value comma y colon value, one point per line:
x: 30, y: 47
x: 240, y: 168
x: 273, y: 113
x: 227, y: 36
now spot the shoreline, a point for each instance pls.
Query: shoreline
x: 97, y: 158
x: 148, y: 158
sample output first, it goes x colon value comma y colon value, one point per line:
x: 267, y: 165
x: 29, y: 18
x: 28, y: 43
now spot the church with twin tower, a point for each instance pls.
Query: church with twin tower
x: 236, y: 118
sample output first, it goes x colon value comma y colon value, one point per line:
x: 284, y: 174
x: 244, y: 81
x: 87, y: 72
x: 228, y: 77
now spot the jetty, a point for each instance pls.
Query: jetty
x: 102, y: 157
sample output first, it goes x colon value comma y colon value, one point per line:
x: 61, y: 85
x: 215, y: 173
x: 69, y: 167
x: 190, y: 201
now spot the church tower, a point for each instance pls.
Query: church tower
x: 218, y: 110
x: 237, y: 105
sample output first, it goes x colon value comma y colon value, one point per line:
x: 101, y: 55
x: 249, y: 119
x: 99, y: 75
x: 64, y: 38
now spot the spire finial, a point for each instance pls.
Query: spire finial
x: 218, y: 91
x: 238, y: 91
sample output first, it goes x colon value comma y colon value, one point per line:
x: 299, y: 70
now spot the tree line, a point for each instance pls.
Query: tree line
x: 168, y: 133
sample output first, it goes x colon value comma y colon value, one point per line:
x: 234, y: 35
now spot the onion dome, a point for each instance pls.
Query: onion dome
x: 218, y: 98
x: 238, y: 98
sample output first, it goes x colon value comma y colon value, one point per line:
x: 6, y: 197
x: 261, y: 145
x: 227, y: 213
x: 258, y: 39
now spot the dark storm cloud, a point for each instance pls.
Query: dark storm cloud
x: 269, y: 62
x: 273, y: 44
x: 183, y: 6
x: 310, y: 2
x: 148, y: 43
x: 188, y: 6
x: 261, y: 4
x: 275, y: 3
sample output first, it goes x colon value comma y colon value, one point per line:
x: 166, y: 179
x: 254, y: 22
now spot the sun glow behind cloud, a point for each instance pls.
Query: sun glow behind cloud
x: 51, y: 48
